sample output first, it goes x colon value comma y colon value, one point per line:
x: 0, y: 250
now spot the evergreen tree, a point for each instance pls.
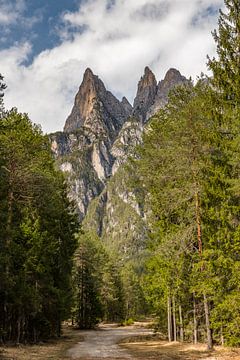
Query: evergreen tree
x: 2, y: 88
x: 226, y: 67
x: 177, y: 160
x: 37, y: 234
x: 226, y: 110
x: 87, y: 282
x: 97, y: 284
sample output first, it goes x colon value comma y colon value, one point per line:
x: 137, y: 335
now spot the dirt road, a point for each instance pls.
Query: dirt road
x: 103, y: 343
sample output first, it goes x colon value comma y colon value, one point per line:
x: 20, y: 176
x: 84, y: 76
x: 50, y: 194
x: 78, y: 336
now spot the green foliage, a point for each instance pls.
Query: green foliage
x: 37, y: 234
x: 128, y: 322
x: 98, y: 288
x: 86, y: 281
x: 189, y: 165
x: 226, y: 67
x: 2, y: 88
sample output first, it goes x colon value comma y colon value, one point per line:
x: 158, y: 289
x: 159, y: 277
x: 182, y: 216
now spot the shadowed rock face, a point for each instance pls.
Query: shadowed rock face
x: 152, y: 97
x: 96, y: 108
x: 127, y: 106
x: 146, y: 93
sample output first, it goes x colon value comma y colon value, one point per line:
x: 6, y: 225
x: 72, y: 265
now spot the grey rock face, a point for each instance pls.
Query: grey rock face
x: 146, y: 93
x: 87, y: 163
x: 127, y: 106
x: 172, y: 78
x: 96, y: 108
x: 129, y: 136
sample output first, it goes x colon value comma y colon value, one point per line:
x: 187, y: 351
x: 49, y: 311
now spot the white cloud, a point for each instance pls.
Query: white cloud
x: 10, y: 12
x: 117, y: 41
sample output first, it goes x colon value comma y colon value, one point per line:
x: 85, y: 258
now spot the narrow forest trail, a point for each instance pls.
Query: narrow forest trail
x: 103, y: 343
x: 107, y: 342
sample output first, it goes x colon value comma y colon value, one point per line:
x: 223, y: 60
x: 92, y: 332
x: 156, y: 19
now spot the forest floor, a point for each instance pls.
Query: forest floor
x: 112, y: 342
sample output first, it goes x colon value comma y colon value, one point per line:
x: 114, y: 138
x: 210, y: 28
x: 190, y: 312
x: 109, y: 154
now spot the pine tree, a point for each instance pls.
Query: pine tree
x: 226, y: 110
x: 176, y: 163
x: 2, y: 88
x: 226, y: 68
x: 37, y: 234
x: 87, y: 310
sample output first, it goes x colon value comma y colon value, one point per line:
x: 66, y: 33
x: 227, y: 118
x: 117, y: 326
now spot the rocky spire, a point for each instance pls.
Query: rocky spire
x: 127, y: 106
x: 147, y: 88
x: 172, y: 78
x: 96, y: 108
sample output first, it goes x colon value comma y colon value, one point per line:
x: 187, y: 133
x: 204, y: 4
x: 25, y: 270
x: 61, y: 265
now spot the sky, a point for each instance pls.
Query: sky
x: 46, y: 45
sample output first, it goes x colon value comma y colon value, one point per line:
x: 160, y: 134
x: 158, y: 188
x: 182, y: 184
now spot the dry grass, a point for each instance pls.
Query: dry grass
x: 149, y: 348
x: 158, y: 349
x: 53, y: 350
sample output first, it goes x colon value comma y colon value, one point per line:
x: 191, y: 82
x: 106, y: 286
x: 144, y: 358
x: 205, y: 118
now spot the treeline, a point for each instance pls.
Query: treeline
x: 50, y: 270
x: 189, y: 165
x: 37, y: 227
x: 104, y: 288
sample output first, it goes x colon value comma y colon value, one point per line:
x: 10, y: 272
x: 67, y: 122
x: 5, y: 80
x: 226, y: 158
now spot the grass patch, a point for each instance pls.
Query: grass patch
x: 51, y: 350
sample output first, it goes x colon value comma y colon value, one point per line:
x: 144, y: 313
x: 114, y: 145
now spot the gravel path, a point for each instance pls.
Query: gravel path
x: 103, y: 343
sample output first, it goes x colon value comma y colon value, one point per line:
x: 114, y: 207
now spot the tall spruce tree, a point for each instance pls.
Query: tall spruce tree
x: 37, y: 239
x: 189, y: 165
x: 2, y: 88
x: 226, y: 67
x: 174, y: 162
x: 226, y: 110
x: 98, y: 293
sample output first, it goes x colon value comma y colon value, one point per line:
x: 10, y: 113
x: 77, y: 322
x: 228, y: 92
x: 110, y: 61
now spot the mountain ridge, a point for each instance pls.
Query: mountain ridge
x: 99, y: 135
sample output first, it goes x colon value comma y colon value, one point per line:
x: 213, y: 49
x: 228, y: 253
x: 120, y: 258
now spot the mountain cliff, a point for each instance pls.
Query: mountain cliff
x: 146, y: 94
x: 98, y: 137
x: 96, y: 108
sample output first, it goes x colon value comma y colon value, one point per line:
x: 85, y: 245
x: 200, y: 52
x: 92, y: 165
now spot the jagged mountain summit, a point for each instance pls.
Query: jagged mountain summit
x: 146, y: 94
x: 98, y: 138
x: 97, y: 108
x: 152, y: 96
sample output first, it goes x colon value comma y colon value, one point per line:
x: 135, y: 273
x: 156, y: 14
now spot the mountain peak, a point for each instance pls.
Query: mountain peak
x: 173, y: 74
x: 148, y: 79
x: 84, y: 101
x: 96, y: 108
x: 88, y: 72
x: 89, y: 76
x: 172, y: 78
x: 147, y: 88
x: 127, y: 106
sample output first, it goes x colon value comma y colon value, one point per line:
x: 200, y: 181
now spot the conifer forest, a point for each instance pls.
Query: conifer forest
x: 167, y: 249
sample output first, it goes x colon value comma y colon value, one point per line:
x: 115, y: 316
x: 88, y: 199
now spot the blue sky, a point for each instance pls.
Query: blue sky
x: 46, y: 45
x: 38, y: 22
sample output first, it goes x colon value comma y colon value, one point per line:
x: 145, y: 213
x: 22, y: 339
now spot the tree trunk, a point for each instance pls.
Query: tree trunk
x: 222, y: 337
x: 181, y: 324
x: 34, y: 335
x: 195, y: 324
x: 206, y: 306
x: 198, y: 221
x: 169, y: 320
x: 208, y: 329
x: 174, y: 319
x: 18, y: 329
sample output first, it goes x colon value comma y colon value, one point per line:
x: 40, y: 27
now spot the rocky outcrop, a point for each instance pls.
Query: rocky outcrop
x: 127, y: 106
x: 172, y: 78
x: 87, y: 162
x: 146, y: 93
x: 96, y: 108
x: 128, y: 138
x: 117, y: 216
